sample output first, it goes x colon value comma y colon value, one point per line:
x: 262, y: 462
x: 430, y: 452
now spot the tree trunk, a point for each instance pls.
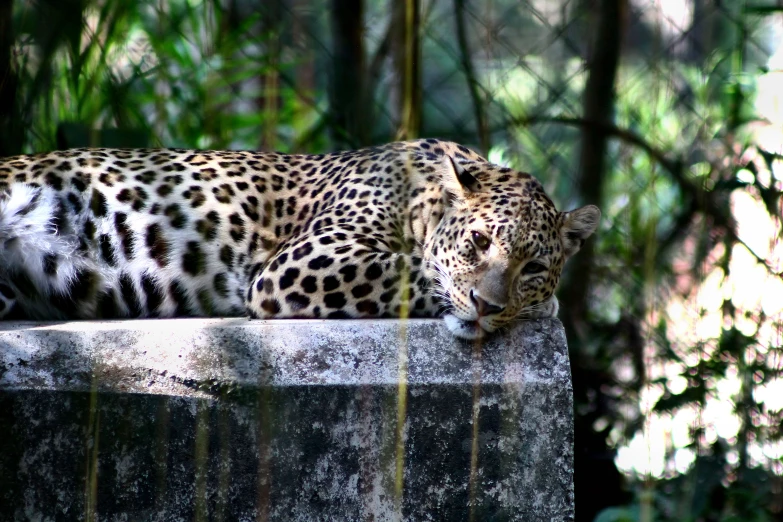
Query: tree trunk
x: 269, y: 101
x: 407, y: 66
x: 482, y: 129
x: 599, y: 99
x: 10, y: 127
x: 593, y: 459
x: 348, y: 97
x: 304, y: 75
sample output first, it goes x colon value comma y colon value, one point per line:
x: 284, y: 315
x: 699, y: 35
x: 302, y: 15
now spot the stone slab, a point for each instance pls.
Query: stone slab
x: 231, y: 419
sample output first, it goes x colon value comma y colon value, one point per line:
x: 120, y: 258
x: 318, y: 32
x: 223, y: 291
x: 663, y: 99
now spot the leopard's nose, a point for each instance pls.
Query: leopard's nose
x: 484, y: 307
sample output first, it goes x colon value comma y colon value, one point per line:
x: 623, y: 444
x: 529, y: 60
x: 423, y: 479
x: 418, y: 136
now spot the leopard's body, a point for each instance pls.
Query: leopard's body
x: 422, y: 228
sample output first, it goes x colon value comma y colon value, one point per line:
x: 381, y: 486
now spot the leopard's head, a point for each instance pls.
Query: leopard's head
x: 498, y: 250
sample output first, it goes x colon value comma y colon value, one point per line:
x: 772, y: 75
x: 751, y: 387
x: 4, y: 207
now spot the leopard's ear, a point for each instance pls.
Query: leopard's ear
x: 578, y: 225
x: 457, y: 181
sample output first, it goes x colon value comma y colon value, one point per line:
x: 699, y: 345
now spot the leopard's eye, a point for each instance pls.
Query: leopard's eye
x: 533, y: 267
x: 481, y: 241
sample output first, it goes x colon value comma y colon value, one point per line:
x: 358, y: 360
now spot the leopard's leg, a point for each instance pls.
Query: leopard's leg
x: 44, y: 272
x: 334, y: 274
x: 7, y: 300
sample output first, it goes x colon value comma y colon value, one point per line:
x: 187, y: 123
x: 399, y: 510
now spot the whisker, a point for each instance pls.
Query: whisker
x: 531, y: 311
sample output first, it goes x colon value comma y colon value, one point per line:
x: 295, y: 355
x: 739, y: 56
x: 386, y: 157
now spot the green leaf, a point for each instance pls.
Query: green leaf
x: 618, y: 514
x: 670, y: 402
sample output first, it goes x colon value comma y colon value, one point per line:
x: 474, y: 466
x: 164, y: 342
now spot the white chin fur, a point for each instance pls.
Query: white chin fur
x: 552, y: 307
x: 463, y: 329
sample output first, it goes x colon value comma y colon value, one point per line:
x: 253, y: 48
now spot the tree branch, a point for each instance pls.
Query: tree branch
x: 705, y: 201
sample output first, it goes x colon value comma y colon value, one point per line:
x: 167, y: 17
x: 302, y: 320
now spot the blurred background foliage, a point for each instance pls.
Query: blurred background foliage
x: 667, y: 114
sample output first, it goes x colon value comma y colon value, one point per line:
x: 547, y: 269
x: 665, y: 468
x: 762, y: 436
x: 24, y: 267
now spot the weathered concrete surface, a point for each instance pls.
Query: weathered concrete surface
x: 229, y: 419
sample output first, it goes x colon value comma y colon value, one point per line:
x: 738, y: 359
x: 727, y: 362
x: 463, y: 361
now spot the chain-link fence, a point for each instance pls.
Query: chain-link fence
x: 666, y: 114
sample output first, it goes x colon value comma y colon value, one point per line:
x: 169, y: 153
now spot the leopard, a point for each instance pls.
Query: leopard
x: 422, y: 228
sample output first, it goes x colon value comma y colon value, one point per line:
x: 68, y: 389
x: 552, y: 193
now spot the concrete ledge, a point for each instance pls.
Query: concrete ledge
x: 230, y: 419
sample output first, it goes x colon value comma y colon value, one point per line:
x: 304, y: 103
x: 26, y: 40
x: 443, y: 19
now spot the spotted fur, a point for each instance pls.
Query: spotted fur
x: 416, y: 229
